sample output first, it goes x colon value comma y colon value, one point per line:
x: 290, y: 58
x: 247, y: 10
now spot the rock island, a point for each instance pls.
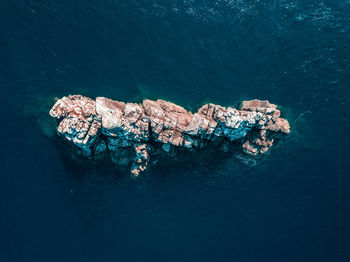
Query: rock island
x: 131, y: 132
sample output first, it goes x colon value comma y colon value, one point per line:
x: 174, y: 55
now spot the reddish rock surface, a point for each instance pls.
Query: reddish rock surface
x: 130, y: 132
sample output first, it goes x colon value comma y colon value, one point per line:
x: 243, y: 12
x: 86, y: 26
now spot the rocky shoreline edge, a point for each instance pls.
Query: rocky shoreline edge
x: 131, y: 132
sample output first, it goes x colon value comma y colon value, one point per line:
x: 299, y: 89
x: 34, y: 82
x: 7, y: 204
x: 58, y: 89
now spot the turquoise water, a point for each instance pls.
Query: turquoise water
x: 290, y: 205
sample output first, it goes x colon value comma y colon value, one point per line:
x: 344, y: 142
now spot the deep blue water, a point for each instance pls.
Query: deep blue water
x: 290, y: 205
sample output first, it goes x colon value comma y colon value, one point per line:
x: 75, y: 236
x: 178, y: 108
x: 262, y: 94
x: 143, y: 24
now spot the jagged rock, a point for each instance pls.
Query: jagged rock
x: 79, y: 121
x: 256, y: 105
x: 128, y: 131
x: 141, y: 160
x: 111, y: 113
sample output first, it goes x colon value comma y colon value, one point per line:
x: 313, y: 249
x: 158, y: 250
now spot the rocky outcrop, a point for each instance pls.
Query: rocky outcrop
x: 80, y: 122
x: 130, y: 132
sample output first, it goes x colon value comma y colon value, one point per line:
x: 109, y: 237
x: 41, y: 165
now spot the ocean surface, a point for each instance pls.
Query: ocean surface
x: 292, y: 204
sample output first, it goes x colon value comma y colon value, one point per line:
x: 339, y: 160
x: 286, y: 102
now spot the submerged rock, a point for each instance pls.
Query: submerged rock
x: 130, y: 132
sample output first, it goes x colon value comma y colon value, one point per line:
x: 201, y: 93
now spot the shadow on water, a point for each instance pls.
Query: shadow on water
x: 79, y: 166
x: 205, y: 162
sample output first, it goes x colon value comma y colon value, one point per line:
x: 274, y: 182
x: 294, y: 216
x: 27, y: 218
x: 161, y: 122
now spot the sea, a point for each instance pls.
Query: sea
x: 290, y: 205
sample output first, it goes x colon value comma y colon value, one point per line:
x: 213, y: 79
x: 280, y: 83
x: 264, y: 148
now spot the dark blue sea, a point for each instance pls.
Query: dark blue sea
x: 292, y: 204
